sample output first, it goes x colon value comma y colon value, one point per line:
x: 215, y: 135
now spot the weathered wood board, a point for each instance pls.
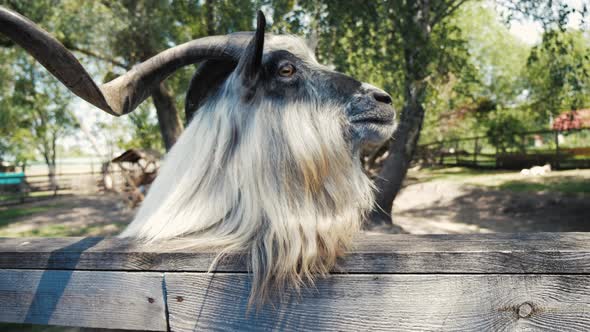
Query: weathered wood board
x: 115, y: 300
x: 200, y: 302
x: 488, y: 282
x: 459, y: 253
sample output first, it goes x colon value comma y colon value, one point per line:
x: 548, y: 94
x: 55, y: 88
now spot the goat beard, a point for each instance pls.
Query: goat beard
x: 282, y: 185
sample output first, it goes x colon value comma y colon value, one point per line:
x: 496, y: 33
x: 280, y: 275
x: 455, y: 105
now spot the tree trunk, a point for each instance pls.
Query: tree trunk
x: 400, y: 152
x: 209, y: 17
x: 416, y: 41
x: 52, y: 178
x: 52, y: 166
x: 390, y: 179
x: 168, y: 118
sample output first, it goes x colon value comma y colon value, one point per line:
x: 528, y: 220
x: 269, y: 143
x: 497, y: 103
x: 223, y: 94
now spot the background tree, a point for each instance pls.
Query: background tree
x: 37, y: 114
x: 558, y: 73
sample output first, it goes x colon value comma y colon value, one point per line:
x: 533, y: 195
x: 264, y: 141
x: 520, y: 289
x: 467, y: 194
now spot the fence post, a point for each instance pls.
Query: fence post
x: 457, y: 152
x: 22, y: 190
x: 556, y: 149
x: 496, y: 157
x: 475, y: 148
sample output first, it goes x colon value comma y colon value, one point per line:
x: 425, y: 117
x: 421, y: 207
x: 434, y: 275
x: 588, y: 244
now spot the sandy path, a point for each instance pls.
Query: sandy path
x: 80, y: 215
x: 448, y: 207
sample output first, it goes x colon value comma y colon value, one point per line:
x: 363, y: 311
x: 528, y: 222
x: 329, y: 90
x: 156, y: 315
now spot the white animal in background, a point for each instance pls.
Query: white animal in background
x: 536, y: 170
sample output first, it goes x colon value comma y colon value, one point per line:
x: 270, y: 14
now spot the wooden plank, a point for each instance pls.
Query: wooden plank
x: 204, y: 302
x: 556, y: 253
x: 114, y: 300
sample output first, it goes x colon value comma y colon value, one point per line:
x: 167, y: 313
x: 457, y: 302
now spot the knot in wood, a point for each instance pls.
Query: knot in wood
x: 524, y: 310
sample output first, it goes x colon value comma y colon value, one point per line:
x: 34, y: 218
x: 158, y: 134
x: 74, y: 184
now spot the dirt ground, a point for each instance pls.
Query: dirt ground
x: 431, y: 203
x: 72, y: 215
x: 445, y: 206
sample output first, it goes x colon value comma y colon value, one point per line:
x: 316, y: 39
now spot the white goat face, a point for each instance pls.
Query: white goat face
x: 288, y: 73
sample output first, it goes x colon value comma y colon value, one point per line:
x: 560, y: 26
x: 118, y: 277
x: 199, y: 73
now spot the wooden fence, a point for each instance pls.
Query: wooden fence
x: 561, y: 149
x: 486, y: 282
x: 38, y: 187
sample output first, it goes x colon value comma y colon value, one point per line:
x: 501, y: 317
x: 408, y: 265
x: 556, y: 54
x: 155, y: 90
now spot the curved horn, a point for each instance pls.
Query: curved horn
x: 123, y: 94
x: 250, y: 62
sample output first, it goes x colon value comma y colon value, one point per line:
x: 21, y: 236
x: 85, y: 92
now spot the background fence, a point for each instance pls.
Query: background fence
x: 561, y: 149
x: 74, y: 175
x: 16, y: 188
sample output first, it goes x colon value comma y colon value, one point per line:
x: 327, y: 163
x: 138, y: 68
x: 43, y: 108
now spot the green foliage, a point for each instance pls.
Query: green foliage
x: 503, y: 128
x: 35, y: 113
x: 486, y: 76
x: 558, y: 73
x: 139, y: 30
x: 497, y: 56
x: 145, y: 130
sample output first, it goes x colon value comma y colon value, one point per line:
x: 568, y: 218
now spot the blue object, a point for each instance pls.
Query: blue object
x: 12, y: 178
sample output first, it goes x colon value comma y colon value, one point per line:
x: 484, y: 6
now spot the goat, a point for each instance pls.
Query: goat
x: 269, y: 164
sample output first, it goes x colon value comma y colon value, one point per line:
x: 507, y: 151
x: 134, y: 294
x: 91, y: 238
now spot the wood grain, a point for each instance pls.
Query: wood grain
x: 113, y: 300
x: 557, y: 253
x: 217, y: 302
x: 491, y: 282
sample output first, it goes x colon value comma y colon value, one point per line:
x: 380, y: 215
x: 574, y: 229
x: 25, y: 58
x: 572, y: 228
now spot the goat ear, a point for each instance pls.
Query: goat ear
x: 250, y: 62
x: 205, y: 82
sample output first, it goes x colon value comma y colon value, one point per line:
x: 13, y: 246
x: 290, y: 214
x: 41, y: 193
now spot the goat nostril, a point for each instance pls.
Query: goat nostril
x: 382, y: 97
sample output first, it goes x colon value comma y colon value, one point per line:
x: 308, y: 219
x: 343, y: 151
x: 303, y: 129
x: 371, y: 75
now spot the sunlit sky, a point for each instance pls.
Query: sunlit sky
x: 528, y: 31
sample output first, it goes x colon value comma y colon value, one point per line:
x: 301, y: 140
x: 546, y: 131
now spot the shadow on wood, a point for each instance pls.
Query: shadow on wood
x: 43, y: 306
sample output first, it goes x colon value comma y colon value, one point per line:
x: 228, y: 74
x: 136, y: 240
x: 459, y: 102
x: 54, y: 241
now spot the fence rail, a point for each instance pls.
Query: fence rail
x: 389, y: 282
x: 38, y: 186
x: 561, y: 149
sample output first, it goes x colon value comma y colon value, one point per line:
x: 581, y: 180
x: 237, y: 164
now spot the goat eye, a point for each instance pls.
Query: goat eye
x: 287, y: 70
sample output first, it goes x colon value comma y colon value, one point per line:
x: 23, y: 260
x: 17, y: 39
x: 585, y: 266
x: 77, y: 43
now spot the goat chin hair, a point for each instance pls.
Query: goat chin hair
x: 278, y: 182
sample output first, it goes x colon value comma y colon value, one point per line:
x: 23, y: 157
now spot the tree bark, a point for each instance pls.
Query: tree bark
x: 390, y: 179
x: 52, y: 166
x: 168, y: 117
x: 417, y: 25
x: 210, y: 17
x: 52, y: 178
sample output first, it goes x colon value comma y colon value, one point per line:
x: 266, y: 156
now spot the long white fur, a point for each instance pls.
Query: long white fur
x: 277, y: 181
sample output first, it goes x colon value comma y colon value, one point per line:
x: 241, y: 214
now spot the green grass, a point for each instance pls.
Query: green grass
x: 7, y: 197
x: 8, y: 215
x: 570, y: 182
x: 11, y: 197
x: 452, y: 173
x: 64, y: 231
x: 556, y: 185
